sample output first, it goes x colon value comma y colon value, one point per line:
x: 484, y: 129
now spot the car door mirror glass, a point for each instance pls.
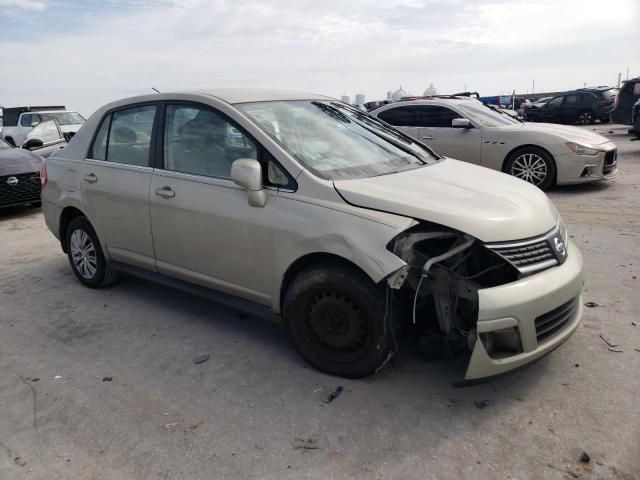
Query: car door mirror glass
x: 247, y: 172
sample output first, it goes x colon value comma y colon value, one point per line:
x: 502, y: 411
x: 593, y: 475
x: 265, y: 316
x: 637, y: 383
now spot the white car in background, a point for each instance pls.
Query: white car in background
x: 540, y: 153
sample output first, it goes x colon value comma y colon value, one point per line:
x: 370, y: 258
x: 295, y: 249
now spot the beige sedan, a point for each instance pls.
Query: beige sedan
x: 300, y: 205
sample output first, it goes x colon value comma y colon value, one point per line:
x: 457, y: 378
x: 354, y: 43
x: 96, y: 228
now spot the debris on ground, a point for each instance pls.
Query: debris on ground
x: 335, y: 394
x: 305, y: 443
x: 35, y: 379
x: 591, y: 304
x: 611, y: 345
x: 636, y: 349
x: 107, y: 379
x: 482, y: 404
x: 634, y: 323
x: 585, y: 458
x: 57, y: 377
x: 195, y: 425
x: 171, y: 427
x: 577, y: 365
x: 200, y: 359
x: 615, y: 350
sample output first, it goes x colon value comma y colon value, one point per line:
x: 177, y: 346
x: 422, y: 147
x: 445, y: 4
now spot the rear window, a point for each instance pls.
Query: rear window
x: 609, y: 93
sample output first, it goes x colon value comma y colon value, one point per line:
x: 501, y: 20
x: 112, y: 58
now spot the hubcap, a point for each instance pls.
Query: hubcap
x: 337, y: 324
x: 83, y: 254
x: 530, y: 167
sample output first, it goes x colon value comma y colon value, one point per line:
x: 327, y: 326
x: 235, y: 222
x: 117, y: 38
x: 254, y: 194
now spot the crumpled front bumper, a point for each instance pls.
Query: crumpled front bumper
x: 517, y: 305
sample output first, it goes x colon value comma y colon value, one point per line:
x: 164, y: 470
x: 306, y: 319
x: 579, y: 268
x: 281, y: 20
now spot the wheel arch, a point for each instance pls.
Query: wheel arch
x: 528, y: 145
x: 312, y: 259
x: 66, y: 216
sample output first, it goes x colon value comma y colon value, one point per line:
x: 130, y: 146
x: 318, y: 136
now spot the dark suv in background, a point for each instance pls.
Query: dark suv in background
x: 628, y: 95
x: 583, y: 106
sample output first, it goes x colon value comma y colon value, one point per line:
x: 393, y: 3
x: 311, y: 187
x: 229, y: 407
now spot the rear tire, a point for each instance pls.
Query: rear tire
x: 335, y: 317
x: 85, y: 255
x: 532, y: 165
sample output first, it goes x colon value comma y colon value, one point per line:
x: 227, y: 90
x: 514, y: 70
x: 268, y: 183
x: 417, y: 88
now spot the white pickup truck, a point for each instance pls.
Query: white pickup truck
x: 18, y: 122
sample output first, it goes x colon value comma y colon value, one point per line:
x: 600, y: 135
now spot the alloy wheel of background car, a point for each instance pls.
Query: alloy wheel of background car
x: 586, y: 118
x: 85, y: 255
x: 532, y: 165
x: 336, y: 321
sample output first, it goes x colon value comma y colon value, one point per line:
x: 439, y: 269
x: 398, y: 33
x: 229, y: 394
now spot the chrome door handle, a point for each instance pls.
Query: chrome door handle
x: 427, y: 137
x: 91, y: 178
x: 165, y: 192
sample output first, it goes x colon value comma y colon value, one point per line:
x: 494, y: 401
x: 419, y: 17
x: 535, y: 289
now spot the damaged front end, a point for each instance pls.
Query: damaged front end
x: 438, y: 290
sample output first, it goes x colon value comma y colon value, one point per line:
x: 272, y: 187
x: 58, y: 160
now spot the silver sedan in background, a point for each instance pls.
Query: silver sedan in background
x: 543, y: 154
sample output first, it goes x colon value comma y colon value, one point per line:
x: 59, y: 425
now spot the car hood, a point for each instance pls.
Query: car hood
x: 489, y: 205
x: 566, y: 132
x: 17, y: 160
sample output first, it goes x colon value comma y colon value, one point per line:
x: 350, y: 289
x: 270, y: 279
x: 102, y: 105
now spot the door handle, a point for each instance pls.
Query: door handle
x: 427, y: 137
x: 165, y: 192
x: 91, y: 178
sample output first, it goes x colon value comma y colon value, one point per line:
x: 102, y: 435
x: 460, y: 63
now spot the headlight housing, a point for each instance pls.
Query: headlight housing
x: 583, y: 150
x: 563, y: 233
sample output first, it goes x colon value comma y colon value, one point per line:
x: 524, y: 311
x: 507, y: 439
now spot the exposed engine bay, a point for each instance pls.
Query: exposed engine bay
x: 438, y: 289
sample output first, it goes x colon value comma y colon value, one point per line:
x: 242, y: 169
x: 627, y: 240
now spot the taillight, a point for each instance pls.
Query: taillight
x: 43, y: 174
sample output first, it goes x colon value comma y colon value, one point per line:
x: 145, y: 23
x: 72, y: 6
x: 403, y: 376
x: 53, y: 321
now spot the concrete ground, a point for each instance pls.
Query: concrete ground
x: 255, y: 410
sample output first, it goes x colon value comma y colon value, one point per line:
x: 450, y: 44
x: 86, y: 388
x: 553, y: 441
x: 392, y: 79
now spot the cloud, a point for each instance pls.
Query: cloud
x: 24, y: 5
x: 127, y: 46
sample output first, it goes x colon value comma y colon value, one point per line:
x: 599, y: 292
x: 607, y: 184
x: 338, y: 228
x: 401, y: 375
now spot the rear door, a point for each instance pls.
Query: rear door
x: 403, y: 117
x: 436, y: 131
x: 115, y: 183
x: 204, y: 229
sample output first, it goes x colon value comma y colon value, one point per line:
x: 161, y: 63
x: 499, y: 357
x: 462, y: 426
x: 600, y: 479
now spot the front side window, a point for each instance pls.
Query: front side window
x: 400, y: 116
x: 556, y: 102
x: 435, y: 116
x: 127, y: 136
x: 46, y: 131
x: 64, y: 118
x: 571, y: 99
x: 201, y: 141
x: 336, y: 141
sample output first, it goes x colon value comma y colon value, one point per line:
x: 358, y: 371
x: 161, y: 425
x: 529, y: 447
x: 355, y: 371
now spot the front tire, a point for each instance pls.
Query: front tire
x: 532, y: 165
x: 85, y: 255
x: 586, y: 117
x: 335, y: 317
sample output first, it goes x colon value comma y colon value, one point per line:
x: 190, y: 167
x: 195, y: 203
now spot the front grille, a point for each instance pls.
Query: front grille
x: 610, y: 159
x: 27, y: 190
x: 553, y: 322
x: 527, y: 255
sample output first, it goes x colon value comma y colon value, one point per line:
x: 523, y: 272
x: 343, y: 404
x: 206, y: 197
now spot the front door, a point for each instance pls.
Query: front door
x: 204, y: 230
x: 49, y: 135
x: 550, y: 112
x: 437, y: 132
x: 115, y: 184
x: 570, y: 108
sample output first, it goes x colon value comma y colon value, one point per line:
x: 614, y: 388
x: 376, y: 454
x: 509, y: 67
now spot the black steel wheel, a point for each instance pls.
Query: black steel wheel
x: 335, y: 317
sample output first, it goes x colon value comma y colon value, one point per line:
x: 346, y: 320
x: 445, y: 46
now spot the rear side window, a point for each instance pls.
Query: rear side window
x: 555, y: 102
x: 636, y: 88
x: 435, y: 116
x: 400, y: 116
x: 125, y: 136
x: 26, y: 120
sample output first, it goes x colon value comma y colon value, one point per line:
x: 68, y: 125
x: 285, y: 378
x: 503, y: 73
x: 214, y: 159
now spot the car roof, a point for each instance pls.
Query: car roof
x: 429, y: 100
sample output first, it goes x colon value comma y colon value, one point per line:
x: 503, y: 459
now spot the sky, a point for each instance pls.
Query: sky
x: 84, y: 54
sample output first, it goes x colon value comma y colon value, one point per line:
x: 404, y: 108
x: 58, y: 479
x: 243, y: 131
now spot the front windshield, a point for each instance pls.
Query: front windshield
x: 63, y: 118
x: 336, y: 141
x: 485, y: 116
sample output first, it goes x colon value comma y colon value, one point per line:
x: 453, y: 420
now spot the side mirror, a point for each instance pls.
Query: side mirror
x: 247, y: 173
x: 32, y: 144
x: 461, y: 123
x: 34, y: 124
